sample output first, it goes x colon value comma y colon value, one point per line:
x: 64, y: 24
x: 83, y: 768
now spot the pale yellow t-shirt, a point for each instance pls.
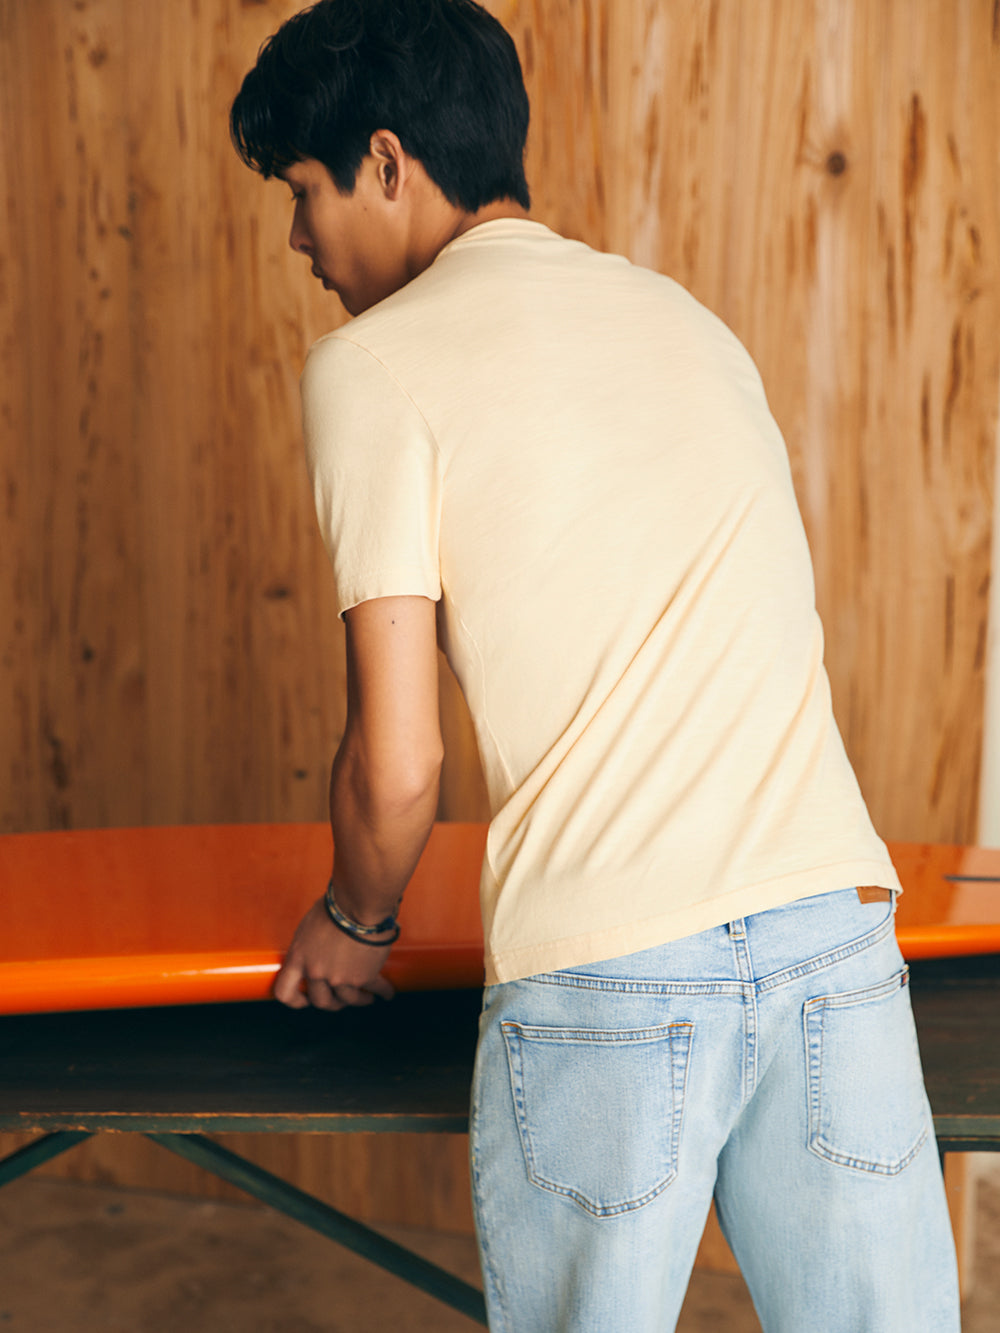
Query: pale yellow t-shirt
x: 577, y: 460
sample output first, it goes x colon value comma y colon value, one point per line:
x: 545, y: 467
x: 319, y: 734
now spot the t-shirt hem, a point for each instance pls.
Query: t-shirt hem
x: 396, y: 583
x: 633, y: 936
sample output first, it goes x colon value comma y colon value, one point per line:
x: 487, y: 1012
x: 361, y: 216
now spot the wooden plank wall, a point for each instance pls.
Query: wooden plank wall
x: 823, y: 175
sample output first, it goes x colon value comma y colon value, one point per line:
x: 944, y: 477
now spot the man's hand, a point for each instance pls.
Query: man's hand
x: 336, y: 970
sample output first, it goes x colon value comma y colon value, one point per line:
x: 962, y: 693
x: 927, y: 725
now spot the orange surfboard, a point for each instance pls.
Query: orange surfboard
x: 951, y: 899
x: 119, y: 917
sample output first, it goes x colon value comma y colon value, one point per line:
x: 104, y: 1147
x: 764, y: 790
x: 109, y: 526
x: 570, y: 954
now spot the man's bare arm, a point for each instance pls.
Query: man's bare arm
x: 383, y: 799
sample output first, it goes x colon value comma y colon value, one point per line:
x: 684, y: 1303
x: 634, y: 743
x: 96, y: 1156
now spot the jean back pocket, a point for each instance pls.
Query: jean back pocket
x: 867, y: 1105
x: 599, y: 1111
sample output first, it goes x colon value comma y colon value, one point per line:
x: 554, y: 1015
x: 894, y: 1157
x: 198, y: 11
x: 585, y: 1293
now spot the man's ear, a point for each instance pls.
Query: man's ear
x: 392, y: 164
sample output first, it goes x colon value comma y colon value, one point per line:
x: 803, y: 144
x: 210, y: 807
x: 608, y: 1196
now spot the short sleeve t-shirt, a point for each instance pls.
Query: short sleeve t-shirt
x: 576, y: 460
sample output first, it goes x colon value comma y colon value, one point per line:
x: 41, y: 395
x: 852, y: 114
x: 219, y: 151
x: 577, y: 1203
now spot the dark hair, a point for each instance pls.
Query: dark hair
x: 443, y: 75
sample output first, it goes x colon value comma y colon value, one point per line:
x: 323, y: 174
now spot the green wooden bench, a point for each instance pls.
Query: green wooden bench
x: 179, y: 1074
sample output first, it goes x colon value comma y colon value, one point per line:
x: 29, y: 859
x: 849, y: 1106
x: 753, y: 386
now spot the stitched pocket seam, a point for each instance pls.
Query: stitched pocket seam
x: 520, y: 1038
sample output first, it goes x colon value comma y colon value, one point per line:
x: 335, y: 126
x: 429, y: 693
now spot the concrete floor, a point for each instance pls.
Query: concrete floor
x: 89, y: 1259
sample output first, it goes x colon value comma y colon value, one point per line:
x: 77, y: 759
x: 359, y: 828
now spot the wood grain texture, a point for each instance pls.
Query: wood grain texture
x: 174, y: 655
x: 70, y: 592
x: 824, y: 176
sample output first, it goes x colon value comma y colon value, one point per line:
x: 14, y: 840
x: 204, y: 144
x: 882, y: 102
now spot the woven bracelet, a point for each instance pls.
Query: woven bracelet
x: 358, y: 932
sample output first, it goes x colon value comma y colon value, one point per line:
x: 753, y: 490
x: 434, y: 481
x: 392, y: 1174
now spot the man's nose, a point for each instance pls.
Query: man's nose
x: 298, y: 237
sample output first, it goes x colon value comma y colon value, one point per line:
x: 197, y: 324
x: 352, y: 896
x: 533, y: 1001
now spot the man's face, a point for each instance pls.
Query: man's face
x: 353, y: 241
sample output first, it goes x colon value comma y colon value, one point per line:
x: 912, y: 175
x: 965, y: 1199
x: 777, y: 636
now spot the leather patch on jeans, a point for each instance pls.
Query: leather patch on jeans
x: 870, y: 894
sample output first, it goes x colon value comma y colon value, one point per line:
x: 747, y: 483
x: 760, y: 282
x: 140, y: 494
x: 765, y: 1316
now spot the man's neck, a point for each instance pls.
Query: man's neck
x: 500, y: 208
x: 435, y: 223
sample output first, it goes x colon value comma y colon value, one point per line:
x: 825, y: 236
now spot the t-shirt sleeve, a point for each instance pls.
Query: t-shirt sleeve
x: 375, y: 473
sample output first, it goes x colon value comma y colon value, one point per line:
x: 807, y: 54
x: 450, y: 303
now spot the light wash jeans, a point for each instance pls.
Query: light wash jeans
x: 771, y: 1063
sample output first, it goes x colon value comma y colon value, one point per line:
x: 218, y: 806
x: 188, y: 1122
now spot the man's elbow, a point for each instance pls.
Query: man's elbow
x: 399, y: 788
x: 413, y: 784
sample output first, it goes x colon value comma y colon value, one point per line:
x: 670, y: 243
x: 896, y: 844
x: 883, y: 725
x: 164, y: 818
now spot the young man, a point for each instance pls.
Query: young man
x: 563, y: 469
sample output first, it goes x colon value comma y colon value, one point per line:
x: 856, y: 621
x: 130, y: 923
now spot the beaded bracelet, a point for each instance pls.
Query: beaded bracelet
x: 361, y: 934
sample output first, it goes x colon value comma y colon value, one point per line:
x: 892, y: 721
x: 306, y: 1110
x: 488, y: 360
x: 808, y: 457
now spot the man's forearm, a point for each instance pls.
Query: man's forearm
x: 381, y: 821
x: 383, y: 799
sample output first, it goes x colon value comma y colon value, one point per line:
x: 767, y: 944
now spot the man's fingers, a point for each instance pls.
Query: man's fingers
x: 288, y: 987
x: 353, y: 995
x: 297, y: 989
x: 381, y: 987
x: 322, y: 995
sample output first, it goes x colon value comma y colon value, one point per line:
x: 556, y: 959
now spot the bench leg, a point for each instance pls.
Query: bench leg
x: 279, y: 1194
x: 25, y: 1159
